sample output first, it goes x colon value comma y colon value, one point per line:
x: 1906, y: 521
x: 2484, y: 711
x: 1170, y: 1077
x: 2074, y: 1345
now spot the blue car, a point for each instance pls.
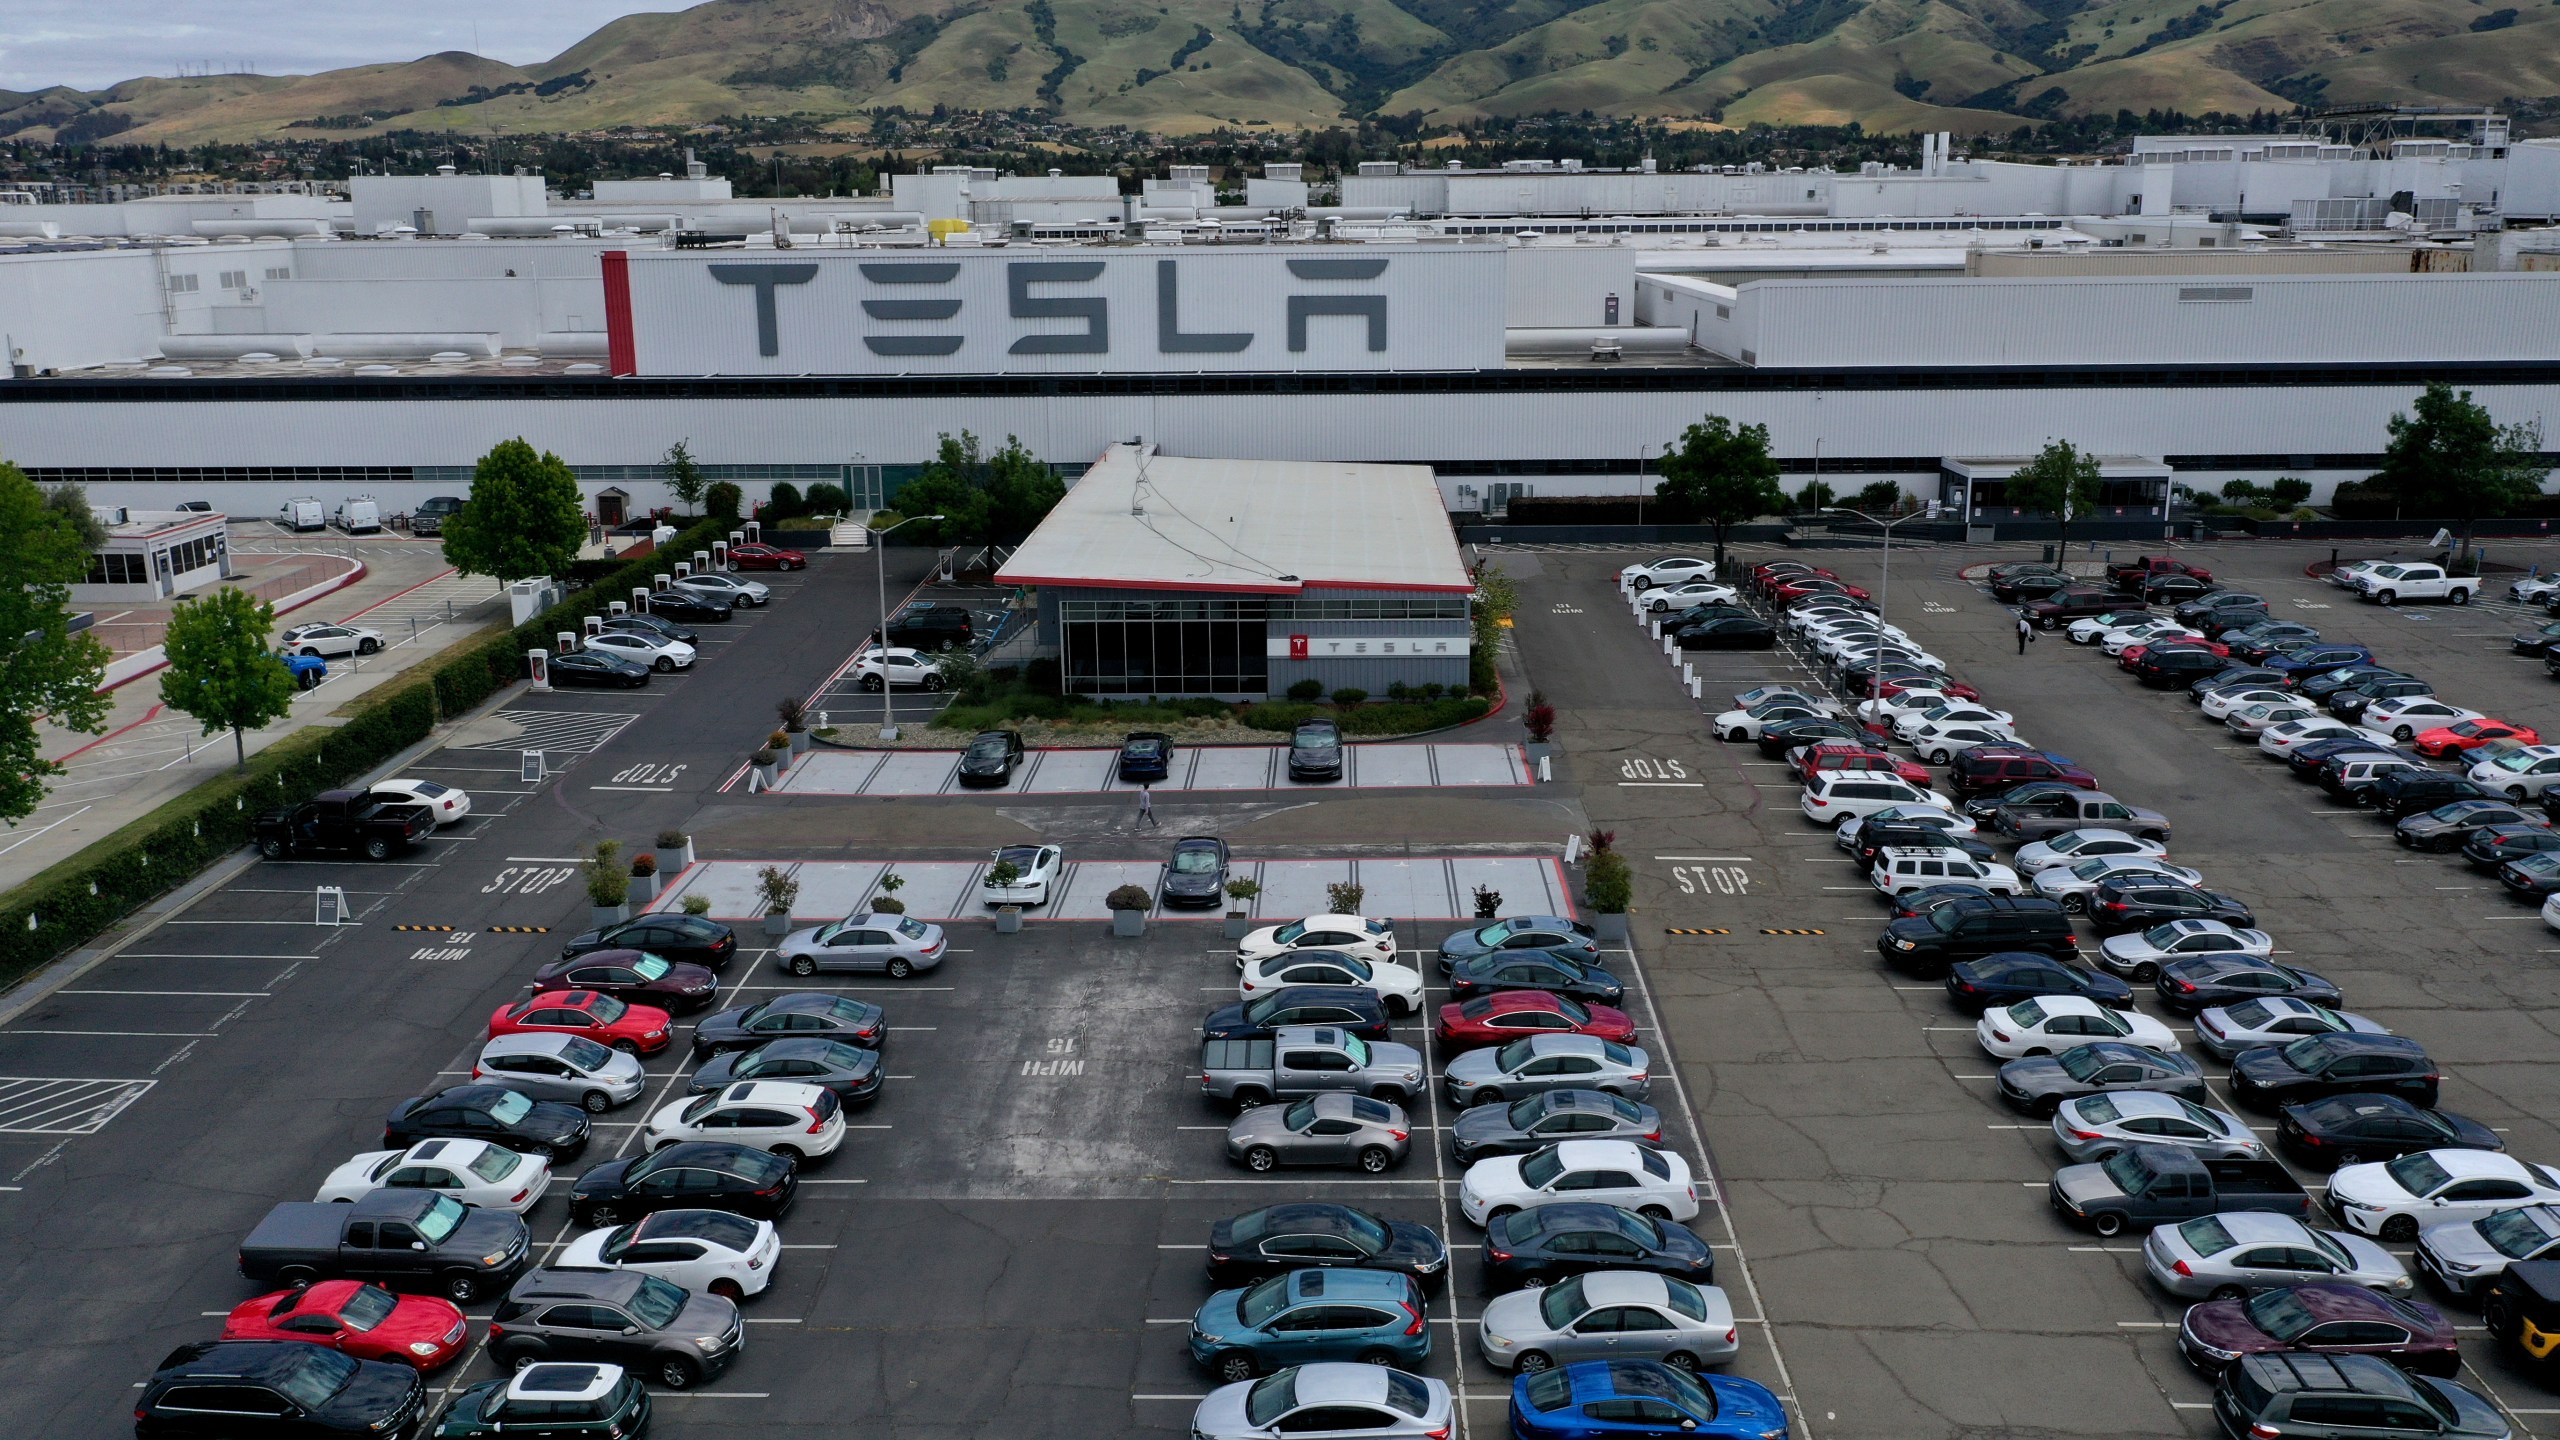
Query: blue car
x: 2316, y: 659
x: 1605, y: 1399
x: 1146, y: 757
x: 307, y: 670
x: 1373, y: 1316
x: 1573, y: 938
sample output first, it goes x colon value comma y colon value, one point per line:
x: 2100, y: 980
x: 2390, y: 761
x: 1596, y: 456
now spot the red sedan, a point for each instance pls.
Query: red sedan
x: 756, y: 555
x: 1895, y: 685
x: 1806, y: 759
x: 1778, y: 572
x: 635, y: 1029
x: 360, y: 1319
x: 1797, y: 587
x: 1506, y: 1015
x: 2464, y: 735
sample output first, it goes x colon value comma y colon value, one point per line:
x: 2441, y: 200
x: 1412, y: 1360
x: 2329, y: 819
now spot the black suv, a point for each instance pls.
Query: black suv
x: 2399, y: 794
x: 2339, y: 1063
x: 2350, y: 702
x: 1970, y: 929
x: 2320, y: 1396
x: 2137, y: 902
x: 1315, y: 751
x: 644, y: 1323
x: 932, y: 627
x: 277, y: 1387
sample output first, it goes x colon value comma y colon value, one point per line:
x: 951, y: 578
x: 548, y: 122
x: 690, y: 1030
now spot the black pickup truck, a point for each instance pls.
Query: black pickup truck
x: 2145, y: 1185
x: 342, y: 821
x: 403, y: 1239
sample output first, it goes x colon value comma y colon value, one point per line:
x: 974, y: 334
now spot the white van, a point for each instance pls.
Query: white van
x: 360, y: 515
x: 1899, y: 871
x: 303, y: 515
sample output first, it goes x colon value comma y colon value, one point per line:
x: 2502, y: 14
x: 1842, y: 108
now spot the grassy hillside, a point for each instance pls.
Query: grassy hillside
x: 1176, y: 65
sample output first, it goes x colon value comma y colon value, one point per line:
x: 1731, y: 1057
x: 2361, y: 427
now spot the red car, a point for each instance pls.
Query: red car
x: 1506, y: 1015
x: 1837, y: 755
x: 1896, y: 684
x: 2134, y: 653
x: 1797, y: 587
x: 2463, y: 735
x: 359, y: 1319
x: 635, y: 1029
x: 755, y: 555
x: 1778, y: 572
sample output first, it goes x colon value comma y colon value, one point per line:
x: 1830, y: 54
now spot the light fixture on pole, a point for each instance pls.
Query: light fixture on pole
x: 1884, y: 589
x: 880, y: 548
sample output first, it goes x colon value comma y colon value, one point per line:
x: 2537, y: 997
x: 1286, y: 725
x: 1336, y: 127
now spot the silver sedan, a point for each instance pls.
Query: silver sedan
x: 2222, y: 1257
x: 1548, y: 1062
x: 1609, y: 1315
x: 1333, y: 1398
x: 2226, y: 1030
x: 2094, y: 1127
x: 2071, y: 884
x: 1332, y: 1129
x: 892, y: 944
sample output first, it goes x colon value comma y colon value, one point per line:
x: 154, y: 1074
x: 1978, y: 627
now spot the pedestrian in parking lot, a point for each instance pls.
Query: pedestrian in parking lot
x: 1147, y: 806
x: 2026, y: 634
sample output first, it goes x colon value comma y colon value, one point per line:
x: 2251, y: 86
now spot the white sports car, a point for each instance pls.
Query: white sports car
x: 709, y: 1252
x: 474, y: 1172
x: 1675, y: 570
x: 1399, y: 987
x: 1355, y: 935
x: 445, y: 802
x: 331, y: 640
x: 655, y: 651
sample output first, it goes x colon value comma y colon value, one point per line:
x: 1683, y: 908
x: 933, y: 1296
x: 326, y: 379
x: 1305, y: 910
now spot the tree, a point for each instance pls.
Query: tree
x: 1815, y: 497
x: 71, y: 501
x: 685, y: 479
x: 723, y: 500
x: 2452, y: 459
x: 221, y: 669
x: 1722, y: 475
x: 2062, y: 481
x: 994, y: 499
x: 47, y: 670
x: 523, y: 517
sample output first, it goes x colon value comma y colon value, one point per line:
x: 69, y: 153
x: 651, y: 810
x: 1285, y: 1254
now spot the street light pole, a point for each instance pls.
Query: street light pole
x: 880, y: 553
x: 1884, y: 588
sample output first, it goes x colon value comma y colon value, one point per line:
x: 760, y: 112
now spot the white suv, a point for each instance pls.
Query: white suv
x: 1900, y: 870
x: 792, y: 1121
x: 1832, y: 796
x: 1677, y: 570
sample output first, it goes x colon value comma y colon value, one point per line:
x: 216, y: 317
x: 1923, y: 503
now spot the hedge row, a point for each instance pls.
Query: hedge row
x: 75, y: 901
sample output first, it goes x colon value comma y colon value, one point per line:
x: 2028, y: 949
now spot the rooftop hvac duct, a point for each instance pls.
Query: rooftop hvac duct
x: 232, y: 347
x: 255, y: 229
x: 396, y: 346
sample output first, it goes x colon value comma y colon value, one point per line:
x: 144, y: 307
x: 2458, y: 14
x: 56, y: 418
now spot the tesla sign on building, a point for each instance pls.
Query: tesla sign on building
x: 1061, y: 310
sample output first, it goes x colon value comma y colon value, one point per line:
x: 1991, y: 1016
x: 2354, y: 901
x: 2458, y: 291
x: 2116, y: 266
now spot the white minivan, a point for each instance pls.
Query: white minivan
x: 1832, y: 796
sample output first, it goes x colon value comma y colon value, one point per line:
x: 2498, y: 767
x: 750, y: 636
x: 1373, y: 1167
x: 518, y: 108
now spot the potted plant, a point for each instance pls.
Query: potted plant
x: 608, y: 885
x: 768, y: 763
x: 1003, y: 875
x: 1609, y: 885
x: 884, y: 900
x: 795, y: 723
x: 1345, y: 896
x: 644, y: 879
x: 675, y: 851
x: 1240, y: 897
x: 1128, y: 906
x: 778, y: 892
x: 1488, y: 902
x: 779, y: 742
x: 697, y: 904
x: 1539, y: 719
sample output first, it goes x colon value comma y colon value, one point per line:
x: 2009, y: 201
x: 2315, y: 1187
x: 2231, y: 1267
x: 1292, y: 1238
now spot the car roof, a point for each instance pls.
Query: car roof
x: 689, y: 1224
x: 770, y: 1092
x: 548, y: 1282
x: 2068, y: 1004
x: 449, y: 1152
x: 1549, y: 1042
x: 2250, y: 1227
x: 1596, y: 1154
x: 532, y: 1042
x: 2466, y: 1163
x: 554, y: 1380
x: 2145, y: 1102
x: 1624, y: 1287
x: 1340, y: 1282
x: 1339, y: 1382
x: 2353, y: 1374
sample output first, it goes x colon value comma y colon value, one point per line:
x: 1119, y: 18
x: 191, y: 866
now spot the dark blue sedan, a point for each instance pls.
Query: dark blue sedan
x: 1605, y: 1399
x: 1146, y: 757
x: 1533, y: 970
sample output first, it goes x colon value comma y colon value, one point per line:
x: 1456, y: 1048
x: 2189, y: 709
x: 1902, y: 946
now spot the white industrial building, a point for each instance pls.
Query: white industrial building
x: 2202, y: 312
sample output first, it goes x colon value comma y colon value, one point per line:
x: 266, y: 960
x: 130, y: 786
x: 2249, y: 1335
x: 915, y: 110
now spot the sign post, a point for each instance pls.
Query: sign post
x: 329, y: 907
x: 529, y: 768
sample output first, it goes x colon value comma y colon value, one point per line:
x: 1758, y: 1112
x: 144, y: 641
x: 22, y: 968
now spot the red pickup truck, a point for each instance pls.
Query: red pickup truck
x: 2131, y: 575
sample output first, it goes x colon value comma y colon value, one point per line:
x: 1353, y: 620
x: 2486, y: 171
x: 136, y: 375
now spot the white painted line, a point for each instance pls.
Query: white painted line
x: 219, y: 955
x: 1668, y: 785
x: 206, y: 994
x: 128, y: 1034
x: 1701, y: 857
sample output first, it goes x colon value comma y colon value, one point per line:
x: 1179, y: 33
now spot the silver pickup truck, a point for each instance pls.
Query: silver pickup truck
x: 1308, y: 1060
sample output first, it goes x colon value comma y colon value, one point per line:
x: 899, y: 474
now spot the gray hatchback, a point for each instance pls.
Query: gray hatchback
x: 647, y: 1325
x: 1330, y: 1129
x: 549, y: 1065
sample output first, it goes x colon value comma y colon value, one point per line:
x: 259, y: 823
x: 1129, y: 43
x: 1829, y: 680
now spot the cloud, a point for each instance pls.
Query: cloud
x: 95, y: 43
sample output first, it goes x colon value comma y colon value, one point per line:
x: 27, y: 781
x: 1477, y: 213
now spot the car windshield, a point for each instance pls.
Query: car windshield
x: 1272, y: 1397
x: 1257, y: 1305
x: 495, y: 1163
x: 2418, y: 1174
x: 1195, y: 862
x: 368, y: 1307
x: 1561, y: 1305
x: 2083, y: 1063
x: 1142, y: 749
x: 585, y: 1053
x: 2516, y: 1234
x: 443, y: 1217
x: 1315, y: 740
x: 650, y: 967
x: 657, y: 1302
x: 1288, y: 934
x: 987, y: 747
x: 2125, y: 1171
x: 1357, y: 1049
x: 1541, y: 1169
x: 510, y: 1108
x: 2027, y: 1013
x: 2280, y: 1314
x: 1511, y: 1057
x: 311, y: 1375
x: 2208, y: 1236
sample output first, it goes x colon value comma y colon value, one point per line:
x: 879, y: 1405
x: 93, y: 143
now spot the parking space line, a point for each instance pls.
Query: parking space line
x: 201, y: 994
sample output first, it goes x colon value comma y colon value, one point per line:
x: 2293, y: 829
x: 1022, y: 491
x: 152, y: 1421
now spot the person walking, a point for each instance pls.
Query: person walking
x: 2026, y: 634
x: 1147, y: 807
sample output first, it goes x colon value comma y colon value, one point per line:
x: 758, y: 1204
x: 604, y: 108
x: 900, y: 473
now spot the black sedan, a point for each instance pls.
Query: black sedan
x: 2356, y: 1129
x: 855, y: 1022
x: 2346, y: 677
x: 2351, y: 703
x: 691, y: 609
x: 635, y: 976
x: 2531, y: 877
x: 1785, y: 735
x: 1196, y: 876
x: 2039, y: 1084
x: 655, y: 626
x: 590, y: 668
x: 2538, y: 642
x: 2303, y: 762
x: 694, y: 1175
x: 850, y: 1071
x: 2015, y: 975
x: 2207, y: 605
x: 1533, y: 970
x: 2031, y: 582
x: 1549, y: 1242
x: 2492, y: 846
x: 2317, y: 1066
x: 1146, y: 757
x: 1547, y: 1118
x: 1705, y: 611
x: 1304, y: 1234
x: 1557, y: 933
x: 688, y: 938
x: 991, y: 758
x: 1732, y: 632
x: 1352, y: 1007
x: 2138, y: 902
x: 487, y: 1112
x: 2176, y: 590
x: 1315, y: 751
x: 2448, y: 826
x: 2200, y: 982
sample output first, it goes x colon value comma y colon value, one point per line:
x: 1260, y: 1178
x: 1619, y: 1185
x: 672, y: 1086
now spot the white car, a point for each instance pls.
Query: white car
x: 1623, y: 1173
x: 1941, y: 742
x: 709, y: 1252
x: 1803, y: 618
x: 1760, y: 693
x: 1848, y: 632
x: 2345, y: 576
x: 2226, y: 1030
x: 1746, y: 724
x: 1853, y: 658
x: 2415, y: 580
x: 331, y: 640
x: 2071, y: 884
x: 1398, y: 987
x: 2250, y: 720
x: 2519, y: 774
x: 2140, y: 955
x: 2218, y: 704
x: 2116, y: 642
x: 2051, y: 1024
x: 1327, y: 1400
x: 1954, y: 822
x: 1674, y: 570
x: 1899, y: 870
x: 2073, y: 846
x: 727, y: 587
x: 1886, y: 709
x: 1663, y: 599
x: 793, y: 1121
x: 1354, y: 935
x: 1036, y: 868
x: 445, y: 802
x: 2551, y: 912
x: 474, y: 1172
x: 2403, y: 716
x: 2391, y: 1199
x: 2534, y: 589
x: 1950, y: 712
x: 1837, y: 795
x: 2278, y: 741
x: 655, y: 651
x: 906, y: 670
x: 2090, y: 629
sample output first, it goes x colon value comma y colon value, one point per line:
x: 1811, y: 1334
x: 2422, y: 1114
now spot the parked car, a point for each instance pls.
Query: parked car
x: 1330, y: 1129
x: 1398, y: 987
x: 2465, y: 1257
x: 991, y: 758
x: 325, y: 640
x: 691, y: 609
x: 2464, y: 736
x: 2038, y: 1084
x: 1508, y: 1015
x: 1533, y: 1122
x: 1541, y: 1245
x: 2405, y: 717
x: 1307, y: 1060
x: 2166, y: 667
x: 283, y: 1387
x: 1358, y: 935
x: 1375, y: 1316
x: 743, y: 593
x: 411, y: 1239
x: 1651, y: 1182
x: 488, y: 1112
x: 2050, y: 812
x: 1304, y: 1234
x: 849, y: 1072
x: 1671, y: 570
x: 2094, y: 1128
x: 2351, y: 1397
x: 2140, y: 902
x: 474, y: 1172
x: 1987, y: 768
x: 359, y: 1319
x: 2142, y: 1186
x: 2450, y: 826
x: 2520, y: 775
x: 1353, y: 1009
x: 2321, y: 1318
x: 2531, y: 877
x: 572, y: 1068
x: 342, y: 822
x: 929, y: 627
x: 2415, y: 580
x: 1146, y: 758
x: 2060, y: 607
x: 756, y: 555
x: 2047, y: 1023
x: 1663, y: 599
x: 2336, y: 1064
x: 2139, y: 956
x: 1583, y: 1399
x: 2491, y: 847
x: 445, y: 804
x: 555, y: 1402
x: 2354, y: 1127
x: 796, y: 1015
x: 691, y: 938
x: 637, y: 1029
x: 899, y: 668
x: 2389, y: 1198
x: 596, y: 669
x: 1555, y: 934
x: 2070, y: 885
x: 2070, y: 847
x: 619, y: 1317
x: 1315, y: 751
x: 1971, y: 927
x: 1731, y: 632
x: 2397, y: 794
x: 697, y: 1175
x: 658, y: 653
x: 1938, y: 860
x: 2196, y: 982
x: 792, y: 1120
x: 1833, y: 796
x: 1534, y: 1063
x: 1534, y: 970
x: 675, y: 986
x: 2229, y: 1030
x: 890, y: 943
x: 2311, y: 659
x: 1609, y: 1315
x: 2224, y: 1257
x: 2006, y: 979
x: 1195, y: 877
x: 707, y: 1252
x: 1326, y: 1399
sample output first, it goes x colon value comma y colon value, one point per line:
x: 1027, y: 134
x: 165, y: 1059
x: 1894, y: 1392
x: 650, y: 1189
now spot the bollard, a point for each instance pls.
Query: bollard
x: 1688, y: 676
x: 1697, y: 688
x: 1546, y: 767
x: 1668, y: 652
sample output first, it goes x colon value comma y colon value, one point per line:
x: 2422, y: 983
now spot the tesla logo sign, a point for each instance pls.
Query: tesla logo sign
x: 1303, y: 647
x: 1297, y: 647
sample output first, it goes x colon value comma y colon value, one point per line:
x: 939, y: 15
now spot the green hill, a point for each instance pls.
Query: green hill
x: 1178, y: 65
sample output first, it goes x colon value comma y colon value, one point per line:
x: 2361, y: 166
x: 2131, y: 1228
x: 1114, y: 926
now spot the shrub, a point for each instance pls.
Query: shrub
x: 1306, y: 690
x: 776, y: 890
x: 1609, y: 882
x: 888, y: 905
x: 1243, y: 892
x: 643, y: 866
x: 786, y: 502
x: 794, y: 713
x: 1349, y: 695
x: 724, y: 500
x: 1399, y: 691
x: 1127, y: 897
x: 1603, y: 840
x: 1434, y: 690
x: 605, y: 875
x: 765, y: 756
x: 671, y: 839
x: 828, y: 498
x: 697, y: 904
x: 1488, y: 902
x: 1345, y: 896
x: 1540, y: 718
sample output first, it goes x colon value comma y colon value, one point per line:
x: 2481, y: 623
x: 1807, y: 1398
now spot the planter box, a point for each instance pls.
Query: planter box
x: 777, y: 926
x: 768, y: 775
x: 1128, y: 924
x: 671, y: 861
x: 1611, y: 927
x: 1008, y: 919
x: 599, y: 916
x: 1239, y: 924
x: 644, y: 888
x: 799, y: 741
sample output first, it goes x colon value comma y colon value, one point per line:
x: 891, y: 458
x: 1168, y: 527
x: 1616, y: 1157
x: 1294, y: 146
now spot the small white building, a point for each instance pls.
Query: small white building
x: 154, y: 555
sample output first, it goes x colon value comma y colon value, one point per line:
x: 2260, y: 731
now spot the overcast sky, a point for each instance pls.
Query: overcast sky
x: 94, y: 43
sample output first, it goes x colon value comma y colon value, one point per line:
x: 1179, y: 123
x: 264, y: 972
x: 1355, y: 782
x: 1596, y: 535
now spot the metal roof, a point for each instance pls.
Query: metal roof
x: 1144, y: 521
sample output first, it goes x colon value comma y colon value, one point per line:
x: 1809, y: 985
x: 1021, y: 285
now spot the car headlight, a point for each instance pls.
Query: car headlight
x: 2458, y: 1267
x: 1774, y: 1432
x: 1431, y: 1267
x: 421, y: 1348
x: 2214, y: 1352
x: 494, y: 1258
x: 707, y: 1344
x: 1900, y: 944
